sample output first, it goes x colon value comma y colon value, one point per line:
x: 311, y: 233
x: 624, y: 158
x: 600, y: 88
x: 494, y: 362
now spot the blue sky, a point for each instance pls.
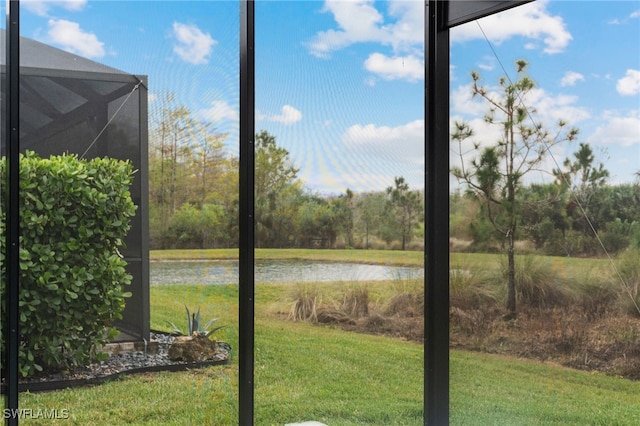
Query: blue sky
x: 341, y: 84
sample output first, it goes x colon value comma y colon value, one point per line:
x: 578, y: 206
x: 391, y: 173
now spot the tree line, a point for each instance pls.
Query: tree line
x: 553, y: 223
x: 193, y: 197
x: 194, y: 192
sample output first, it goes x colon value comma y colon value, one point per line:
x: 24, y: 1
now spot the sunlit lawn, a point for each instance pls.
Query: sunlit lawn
x: 307, y: 372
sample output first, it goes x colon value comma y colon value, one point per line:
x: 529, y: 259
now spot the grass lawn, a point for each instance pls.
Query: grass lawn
x: 307, y: 372
x: 379, y: 257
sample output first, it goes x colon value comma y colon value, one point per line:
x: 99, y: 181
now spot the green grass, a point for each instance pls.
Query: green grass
x: 306, y: 372
x: 487, y: 261
x: 380, y: 257
x: 496, y: 390
x: 193, y: 254
x: 326, y: 376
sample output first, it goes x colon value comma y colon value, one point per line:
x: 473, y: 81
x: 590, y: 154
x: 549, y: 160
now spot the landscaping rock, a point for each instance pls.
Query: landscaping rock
x: 122, y: 363
x: 194, y: 348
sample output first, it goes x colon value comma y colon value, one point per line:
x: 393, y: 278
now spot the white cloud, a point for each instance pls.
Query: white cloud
x: 407, y: 33
x: 463, y: 103
x: 42, y: 7
x: 552, y: 108
x: 218, y: 112
x: 570, y: 78
x: 74, y: 39
x: 369, y: 156
x: 288, y: 115
x: 358, y: 21
x: 546, y: 108
x: 409, y: 67
x: 403, y: 144
x: 488, y: 64
x: 531, y: 21
x: 618, y: 129
x: 633, y: 15
x: 193, y: 45
x: 402, y: 29
x: 629, y: 85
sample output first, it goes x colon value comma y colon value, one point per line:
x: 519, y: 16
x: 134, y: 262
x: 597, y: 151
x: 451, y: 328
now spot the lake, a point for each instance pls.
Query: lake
x: 268, y: 271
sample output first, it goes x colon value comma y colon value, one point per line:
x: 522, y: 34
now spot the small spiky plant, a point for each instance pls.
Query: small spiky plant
x: 194, y: 326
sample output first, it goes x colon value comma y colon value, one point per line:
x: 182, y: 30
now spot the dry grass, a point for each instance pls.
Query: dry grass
x: 356, y: 301
x: 408, y: 305
x: 305, y: 303
x: 574, y: 316
x: 459, y: 245
x: 578, y: 317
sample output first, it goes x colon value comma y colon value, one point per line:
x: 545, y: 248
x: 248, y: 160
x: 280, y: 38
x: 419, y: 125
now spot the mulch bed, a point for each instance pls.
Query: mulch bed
x: 119, y: 365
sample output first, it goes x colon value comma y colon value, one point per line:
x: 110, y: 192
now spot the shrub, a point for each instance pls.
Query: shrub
x: 483, y: 235
x: 596, y: 294
x: 74, y: 215
x: 417, y: 245
x: 537, y: 283
x: 469, y: 289
x: 616, y: 236
x: 628, y: 266
x: 395, y: 245
x: 377, y: 244
x: 556, y: 244
x: 579, y: 244
x: 192, y: 227
x: 634, y: 238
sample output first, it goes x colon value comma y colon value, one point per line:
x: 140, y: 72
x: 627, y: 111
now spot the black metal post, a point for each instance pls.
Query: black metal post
x: 12, y: 255
x: 246, y: 220
x: 436, y: 344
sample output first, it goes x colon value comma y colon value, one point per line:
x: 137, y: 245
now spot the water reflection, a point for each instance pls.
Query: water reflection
x: 226, y: 272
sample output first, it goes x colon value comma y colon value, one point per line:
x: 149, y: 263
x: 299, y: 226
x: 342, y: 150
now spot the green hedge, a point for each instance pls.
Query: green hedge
x: 74, y: 215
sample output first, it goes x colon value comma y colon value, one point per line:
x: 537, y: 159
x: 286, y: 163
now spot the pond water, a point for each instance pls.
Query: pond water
x: 226, y: 272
